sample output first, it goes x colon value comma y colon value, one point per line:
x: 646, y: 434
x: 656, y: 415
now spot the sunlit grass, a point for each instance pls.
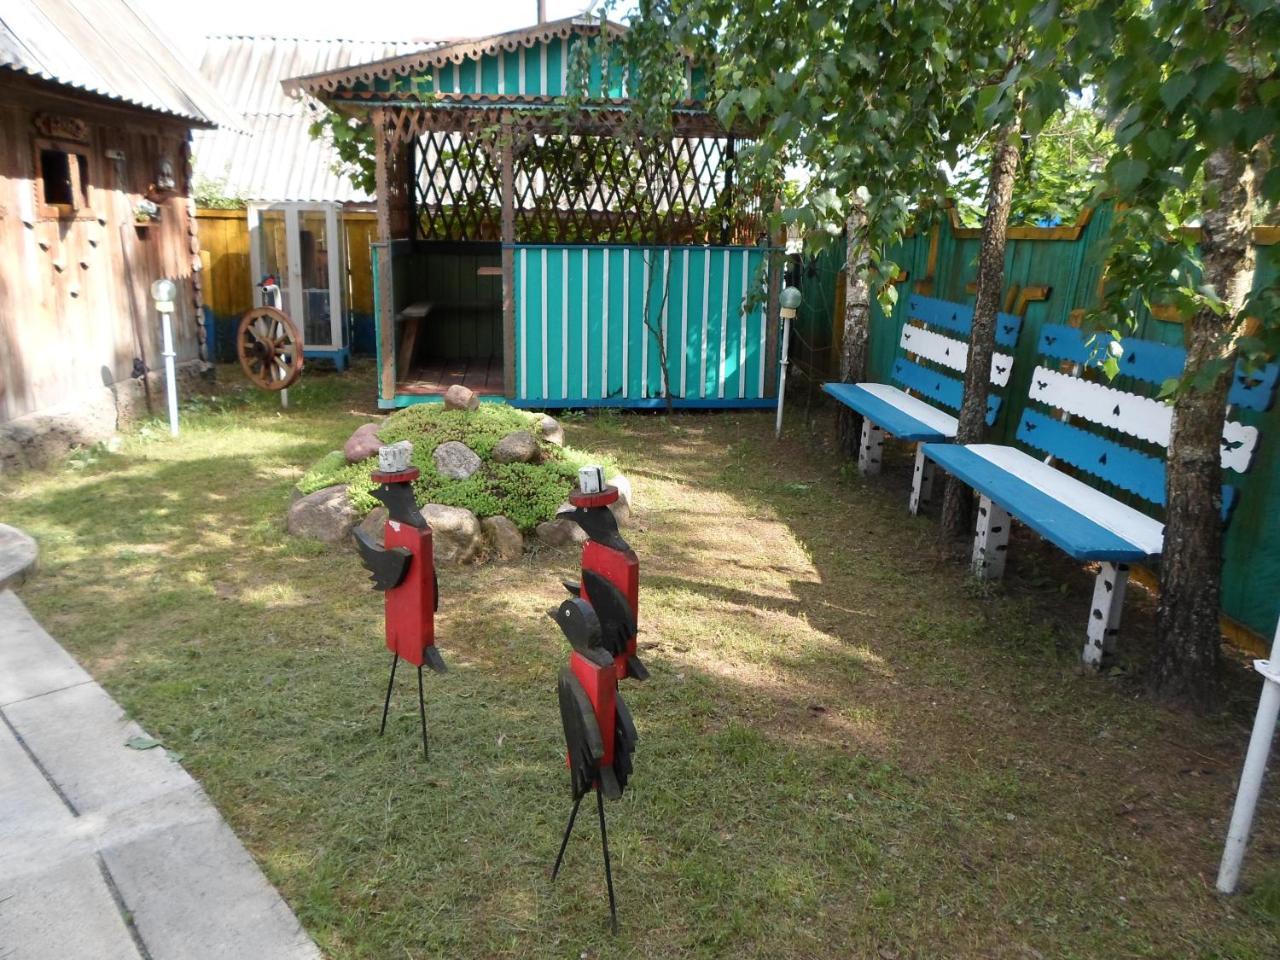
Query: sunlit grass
x: 845, y: 751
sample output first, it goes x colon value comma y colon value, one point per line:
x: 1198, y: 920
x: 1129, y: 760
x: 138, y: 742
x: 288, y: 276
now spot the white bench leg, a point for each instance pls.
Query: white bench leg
x: 921, y: 481
x: 872, y: 447
x: 1104, y: 614
x: 991, y: 541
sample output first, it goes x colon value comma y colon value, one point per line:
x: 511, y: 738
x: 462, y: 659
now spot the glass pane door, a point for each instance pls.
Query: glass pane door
x: 275, y: 254
x: 313, y: 254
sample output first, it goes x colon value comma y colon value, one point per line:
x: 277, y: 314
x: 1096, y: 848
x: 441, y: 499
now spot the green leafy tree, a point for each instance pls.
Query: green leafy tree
x: 1193, y: 91
x: 352, y: 139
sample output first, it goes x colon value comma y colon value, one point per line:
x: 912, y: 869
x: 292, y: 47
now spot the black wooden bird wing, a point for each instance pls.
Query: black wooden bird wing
x: 387, y: 567
x: 581, y: 734
x: 624, y: 744
x: 617, y: 622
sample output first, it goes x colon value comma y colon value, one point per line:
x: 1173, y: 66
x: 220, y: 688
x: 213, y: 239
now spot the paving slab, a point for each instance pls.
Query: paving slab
x: 107, y: 851
x: 31, y: 661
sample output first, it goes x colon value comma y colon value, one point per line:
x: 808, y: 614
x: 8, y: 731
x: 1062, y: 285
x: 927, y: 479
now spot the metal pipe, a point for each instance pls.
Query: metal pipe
x: 1255, y: 765
x: 170, y: 374
x: 782, y: 373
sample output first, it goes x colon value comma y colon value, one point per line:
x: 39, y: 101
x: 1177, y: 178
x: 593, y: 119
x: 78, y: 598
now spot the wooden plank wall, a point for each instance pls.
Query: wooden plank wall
x: 582, y: 339
x: 75, y: 308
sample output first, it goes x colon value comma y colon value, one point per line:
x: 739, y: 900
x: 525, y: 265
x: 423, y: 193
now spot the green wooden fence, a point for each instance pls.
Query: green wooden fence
x: 590, y: 323
x: 1069, y: 263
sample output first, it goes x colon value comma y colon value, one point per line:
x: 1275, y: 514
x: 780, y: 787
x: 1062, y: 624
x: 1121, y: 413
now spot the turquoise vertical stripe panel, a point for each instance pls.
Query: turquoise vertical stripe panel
x: 533, y: 69
x: 510, y: 71
x: 446, y: 76
x: 554, y: 53
x: 489, y: 74
x: 616, y: 356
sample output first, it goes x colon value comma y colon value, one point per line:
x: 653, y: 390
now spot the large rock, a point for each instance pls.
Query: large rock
x: 362, y: 444
x: 560, y: 533
x: 622, y: 506
x: 516, y: 447
x: 456, y: 460
x: 503, y: 537
x: 459, y: 397
x: 552, y: 432
x: 326, y: 515
x: 18, y: 554
x: 455, y: 533
x: 374, y: 525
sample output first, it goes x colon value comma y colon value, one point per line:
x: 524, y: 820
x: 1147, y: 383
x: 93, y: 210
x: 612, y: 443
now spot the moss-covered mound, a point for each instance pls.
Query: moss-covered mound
x: 527, y: 493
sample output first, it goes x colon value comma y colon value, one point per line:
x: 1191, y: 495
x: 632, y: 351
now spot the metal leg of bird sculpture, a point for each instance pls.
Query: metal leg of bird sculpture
x: 402, y: 567
x: 600, y: 736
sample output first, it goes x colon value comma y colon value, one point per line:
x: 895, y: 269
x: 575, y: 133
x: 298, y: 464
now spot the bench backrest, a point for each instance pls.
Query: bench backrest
x: 940, y: 351
x: 1118, y: 436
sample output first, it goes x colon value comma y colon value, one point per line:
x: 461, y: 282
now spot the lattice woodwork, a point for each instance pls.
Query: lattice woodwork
x: 581, y: 188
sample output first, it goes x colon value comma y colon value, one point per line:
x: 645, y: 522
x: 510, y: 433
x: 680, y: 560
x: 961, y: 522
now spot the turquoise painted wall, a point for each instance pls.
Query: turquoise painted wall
x: 582, y: 337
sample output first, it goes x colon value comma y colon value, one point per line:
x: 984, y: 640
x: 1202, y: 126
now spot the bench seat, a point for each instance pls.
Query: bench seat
x: 895, y: 411
x: 1085, y: 523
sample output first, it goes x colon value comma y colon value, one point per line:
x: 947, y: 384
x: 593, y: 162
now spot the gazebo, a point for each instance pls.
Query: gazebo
x: 533, y: 246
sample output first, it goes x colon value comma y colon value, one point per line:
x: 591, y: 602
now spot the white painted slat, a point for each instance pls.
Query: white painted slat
x: 764, y: 344
x: 927, y: 414
x: 586, y: 309
x: 546, y: 359
x: 520, y: 79
x: 564, y: 323
x: 542, y: 68
x: 644, y: 325
x: 706, y: 307
x: 1140, y: 417
x: 524, y: 324
x: 665, y: 373
x: 604, y: 330
x: 684, y: 324
x: 564, y: 67
x: 479, y: 75
x: 1124, y: 521
x: 742, y: 337
x: 948, y: 352
x: 1238, y: 444
x: 502, y: 72
x: 626, y: 318
x: 724, y: 320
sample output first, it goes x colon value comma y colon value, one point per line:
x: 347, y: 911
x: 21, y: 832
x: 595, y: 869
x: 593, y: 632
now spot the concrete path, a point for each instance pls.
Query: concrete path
x: 106, y: 851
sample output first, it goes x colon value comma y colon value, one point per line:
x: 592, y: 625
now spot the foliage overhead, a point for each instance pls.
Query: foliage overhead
x: 352, y: 140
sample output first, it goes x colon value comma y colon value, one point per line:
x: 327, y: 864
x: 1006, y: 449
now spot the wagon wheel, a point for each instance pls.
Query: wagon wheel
x: 270, y: 348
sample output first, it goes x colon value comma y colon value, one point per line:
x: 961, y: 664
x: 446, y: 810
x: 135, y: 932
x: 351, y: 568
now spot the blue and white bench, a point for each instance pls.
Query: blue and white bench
x: 928, y: 366
x: 1106, y: 435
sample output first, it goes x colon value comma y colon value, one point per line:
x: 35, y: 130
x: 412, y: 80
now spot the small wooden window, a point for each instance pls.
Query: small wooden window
x: 63, y: 178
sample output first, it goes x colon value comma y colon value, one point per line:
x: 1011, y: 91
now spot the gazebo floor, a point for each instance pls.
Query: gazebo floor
x: 480, y: 374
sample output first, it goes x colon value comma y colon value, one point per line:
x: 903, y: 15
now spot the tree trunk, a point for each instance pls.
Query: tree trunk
x: 957, y: 501
x: 1186, y: 665
x: 857, y: 325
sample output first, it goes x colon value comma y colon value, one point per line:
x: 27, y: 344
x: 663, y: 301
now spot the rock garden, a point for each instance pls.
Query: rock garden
x: 492, y: 480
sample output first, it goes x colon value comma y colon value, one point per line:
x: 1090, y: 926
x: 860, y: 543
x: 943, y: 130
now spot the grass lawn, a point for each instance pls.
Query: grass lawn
x: 847, y: 748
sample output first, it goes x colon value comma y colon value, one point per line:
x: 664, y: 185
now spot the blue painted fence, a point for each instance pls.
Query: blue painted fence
x: 590, y: 321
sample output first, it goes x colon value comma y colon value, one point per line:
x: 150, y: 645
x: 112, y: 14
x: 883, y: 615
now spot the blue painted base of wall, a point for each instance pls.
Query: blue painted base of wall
x: 341, y: 357
x: 621, y: 403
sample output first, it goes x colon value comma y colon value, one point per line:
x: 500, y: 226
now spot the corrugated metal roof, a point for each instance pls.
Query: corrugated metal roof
x: 105, y: 47
x: 275, y: 157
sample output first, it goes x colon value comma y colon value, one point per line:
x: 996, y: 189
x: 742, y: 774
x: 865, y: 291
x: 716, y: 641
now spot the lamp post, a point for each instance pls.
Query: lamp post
x: 788, y: 303
x: 163, y: 292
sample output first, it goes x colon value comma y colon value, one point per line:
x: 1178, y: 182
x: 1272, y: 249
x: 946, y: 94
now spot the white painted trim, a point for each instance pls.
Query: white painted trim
x: 586, y: 330
x: 665, y: 374
x: 502, y: 72
x: 293, y: 248
x: 564, y: 66
x: 564, y: 323
x: 706, y: 307
x: 604, y: 330
x: 542, y: 69
x: 1134, y: 526
x: 724, y: 319
x: 644, y: 325
x: 742, y: 338
x: 626, y: 319
x: 1239, y: 457
x: 764, y: 346
x: 334, y: 247
x: 457, y: 78
x: 520, y: 87
x: 684, y: 326
x: 951, y: 353
x: 1140, y: 417
x: 545, y: 358
x: 929, y: 415
x: 524, y: 324
x: 479, y: 74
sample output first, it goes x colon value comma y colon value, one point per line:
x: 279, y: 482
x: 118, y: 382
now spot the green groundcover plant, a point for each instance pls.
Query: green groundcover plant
x: 527, y: 493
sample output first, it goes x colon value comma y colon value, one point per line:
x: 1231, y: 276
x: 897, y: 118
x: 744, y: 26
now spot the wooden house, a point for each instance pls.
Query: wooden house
x: 96, y: 113
x: 547, y: 253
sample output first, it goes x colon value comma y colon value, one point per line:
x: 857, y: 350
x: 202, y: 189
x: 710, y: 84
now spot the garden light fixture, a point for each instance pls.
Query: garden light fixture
x: 788, y: 304
x: 164, y: 291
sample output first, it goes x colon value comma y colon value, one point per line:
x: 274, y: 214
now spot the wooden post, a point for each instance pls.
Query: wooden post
x: 386, y: 316
x: 508, y: 262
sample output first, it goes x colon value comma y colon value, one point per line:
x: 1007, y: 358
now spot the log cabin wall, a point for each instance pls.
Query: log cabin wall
x: 75, y: 306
